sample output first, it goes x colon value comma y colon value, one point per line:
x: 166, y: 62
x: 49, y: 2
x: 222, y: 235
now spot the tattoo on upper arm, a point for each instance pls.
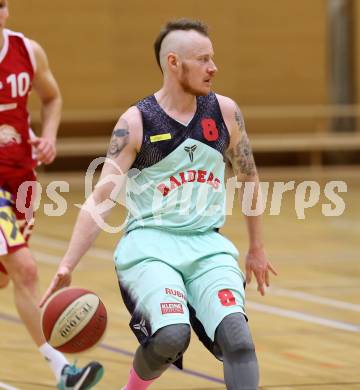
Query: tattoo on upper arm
x: 241, y: 154
x: 119, y: 139
x: 239, y: 119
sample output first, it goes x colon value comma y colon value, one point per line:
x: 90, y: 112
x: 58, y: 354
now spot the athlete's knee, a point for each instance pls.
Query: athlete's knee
x: 233, y: 335
x: 25, y: 275
x: 165, y: 347
x: 171, y: 341
x: 4, y: 280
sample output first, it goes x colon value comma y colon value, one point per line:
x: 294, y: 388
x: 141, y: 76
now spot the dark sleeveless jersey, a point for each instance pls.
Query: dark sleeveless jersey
x: 201, y: 127
x: 179, y: 183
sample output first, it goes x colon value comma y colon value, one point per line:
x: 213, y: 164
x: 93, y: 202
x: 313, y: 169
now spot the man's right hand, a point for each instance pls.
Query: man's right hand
x: 61, y: 279
x: 45, y: 150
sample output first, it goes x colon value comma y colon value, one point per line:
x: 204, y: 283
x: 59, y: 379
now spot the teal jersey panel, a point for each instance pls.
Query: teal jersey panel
x: 185, y: 191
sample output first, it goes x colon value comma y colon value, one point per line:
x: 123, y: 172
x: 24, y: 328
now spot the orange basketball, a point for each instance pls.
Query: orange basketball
x: 73, y: 320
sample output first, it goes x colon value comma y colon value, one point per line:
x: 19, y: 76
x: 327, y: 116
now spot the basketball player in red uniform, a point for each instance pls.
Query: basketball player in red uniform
x: 23, y: 66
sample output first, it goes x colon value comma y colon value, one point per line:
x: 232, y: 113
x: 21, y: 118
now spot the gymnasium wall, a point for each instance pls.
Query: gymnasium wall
x: 356, y: 44
x: 268, y: 52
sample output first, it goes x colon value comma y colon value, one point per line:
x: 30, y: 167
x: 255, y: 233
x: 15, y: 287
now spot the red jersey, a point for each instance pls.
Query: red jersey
x: 17, y: 68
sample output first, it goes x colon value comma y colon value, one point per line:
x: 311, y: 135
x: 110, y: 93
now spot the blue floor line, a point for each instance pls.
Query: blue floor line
x: 120, y: 351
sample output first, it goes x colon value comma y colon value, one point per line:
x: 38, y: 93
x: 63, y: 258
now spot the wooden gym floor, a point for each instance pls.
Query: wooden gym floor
x: 306, y: 329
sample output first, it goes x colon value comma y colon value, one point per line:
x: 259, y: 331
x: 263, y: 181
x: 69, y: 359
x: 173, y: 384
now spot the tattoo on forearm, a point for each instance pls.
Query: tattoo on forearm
x: 241, y: 155
x: 119, y: 139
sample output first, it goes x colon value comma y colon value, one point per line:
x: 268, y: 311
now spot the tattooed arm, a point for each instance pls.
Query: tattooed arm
x: 243, y: 163
x: 124, y: 143
x: 119, y: 139
x: 239, y: 152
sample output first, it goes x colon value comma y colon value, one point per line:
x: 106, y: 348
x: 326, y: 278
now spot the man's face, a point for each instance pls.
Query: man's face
x: 197, y: 66
x: 4, y: 13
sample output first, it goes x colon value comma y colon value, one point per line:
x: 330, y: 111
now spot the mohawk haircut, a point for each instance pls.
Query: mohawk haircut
x: 183, y: 24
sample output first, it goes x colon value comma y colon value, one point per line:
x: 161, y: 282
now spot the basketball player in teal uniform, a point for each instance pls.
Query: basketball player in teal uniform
x: 23, y: 66
x: 174, y: 267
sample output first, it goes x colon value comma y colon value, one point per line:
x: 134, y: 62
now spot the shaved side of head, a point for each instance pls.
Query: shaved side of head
x: 176, y: 42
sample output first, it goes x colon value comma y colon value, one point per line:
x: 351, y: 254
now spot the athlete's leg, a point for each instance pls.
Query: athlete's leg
x: 4, y: 277
x: 165, y: 347
x: 160, y: 317
x: 16, y: 260
x: 22, y: 270
x: 216, y: 293
x: 4, y: 280
x: 240, y: 364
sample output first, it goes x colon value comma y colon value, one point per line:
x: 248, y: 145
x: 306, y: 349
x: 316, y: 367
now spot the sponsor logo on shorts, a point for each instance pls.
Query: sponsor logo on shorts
x: 142, y: 327
x: 171, y: 308
x: 175, y: 293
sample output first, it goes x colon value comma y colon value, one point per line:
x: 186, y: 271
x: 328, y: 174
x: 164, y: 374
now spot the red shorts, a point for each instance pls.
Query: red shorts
x: 16, y: 216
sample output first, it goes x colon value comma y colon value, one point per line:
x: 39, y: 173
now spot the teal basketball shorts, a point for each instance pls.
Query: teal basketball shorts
x: 169, y: 278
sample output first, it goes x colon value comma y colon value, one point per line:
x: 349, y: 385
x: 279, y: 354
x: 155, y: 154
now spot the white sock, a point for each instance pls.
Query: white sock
x: 56, y: 359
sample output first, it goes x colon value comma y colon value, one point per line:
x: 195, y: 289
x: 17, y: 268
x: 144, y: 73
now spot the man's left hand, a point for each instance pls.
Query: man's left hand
x: 257, y: 263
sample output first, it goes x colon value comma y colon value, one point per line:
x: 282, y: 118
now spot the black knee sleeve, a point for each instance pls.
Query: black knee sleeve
x: 240, y: 364
x: 233, y: 335
x: 166, y: 346
x: 171, y: 342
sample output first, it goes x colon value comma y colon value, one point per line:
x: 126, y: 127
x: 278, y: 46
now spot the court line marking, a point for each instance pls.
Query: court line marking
x: 184, y: 370
x: 10, y: 318
x: 52, y: 243
x: 46, y: 258
x: 255, y: 306
x: 303, y: 317
x: 271, y: 310
x: 124, y: 352
x: 316, y: 299
x: 7, y: 387
x: 293, y: 386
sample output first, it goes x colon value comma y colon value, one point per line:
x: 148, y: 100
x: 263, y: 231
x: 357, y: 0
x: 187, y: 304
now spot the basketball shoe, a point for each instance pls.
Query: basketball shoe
x: 73, y: 378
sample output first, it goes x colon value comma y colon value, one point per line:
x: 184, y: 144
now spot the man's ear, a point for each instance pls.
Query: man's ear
x: 172, y: 60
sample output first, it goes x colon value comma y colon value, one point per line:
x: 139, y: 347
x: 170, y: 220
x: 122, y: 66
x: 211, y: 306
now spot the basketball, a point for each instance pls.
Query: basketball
x: 73, y: 320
